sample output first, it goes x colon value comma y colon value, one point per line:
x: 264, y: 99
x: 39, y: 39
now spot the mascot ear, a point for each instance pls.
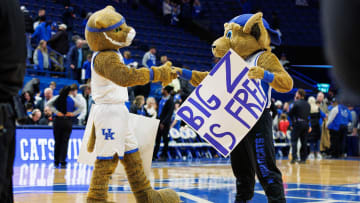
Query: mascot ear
x: 255, y: 27
x: 226, y: 25
x: 110, y: 7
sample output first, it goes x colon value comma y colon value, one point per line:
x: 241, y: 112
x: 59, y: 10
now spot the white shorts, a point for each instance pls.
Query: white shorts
x: 114, y: 133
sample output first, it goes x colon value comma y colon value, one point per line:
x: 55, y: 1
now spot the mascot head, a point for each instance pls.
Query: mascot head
x: 107, y: 29
x: 246, y: 34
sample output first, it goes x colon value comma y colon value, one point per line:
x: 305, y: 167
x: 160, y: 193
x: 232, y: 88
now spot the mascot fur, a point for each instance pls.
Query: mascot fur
x: 111, y: 138
x: 249, y: 35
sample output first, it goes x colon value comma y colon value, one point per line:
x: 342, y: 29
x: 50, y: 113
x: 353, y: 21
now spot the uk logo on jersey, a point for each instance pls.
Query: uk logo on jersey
x: 109, y: 134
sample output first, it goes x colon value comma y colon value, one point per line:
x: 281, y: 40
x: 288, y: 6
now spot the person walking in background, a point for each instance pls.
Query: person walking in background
x: 41, y: 57
x: 151, y: 107
x: 60, y: 43
x: 299, y: 115
x: 339, y: 118
x: 320, y: 97
x: 12, y: 72
x: 41, y: 13
x: 86, y: 69
x: 166, y: 109
x: 41, y: 32
x: 75, y: 60
x: 316, y: 115
x: 138, y: 106
x: 63, y: 106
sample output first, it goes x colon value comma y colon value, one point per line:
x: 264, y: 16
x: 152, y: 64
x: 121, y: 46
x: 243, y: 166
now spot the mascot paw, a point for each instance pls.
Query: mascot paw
x: 163, y: 196
x: 164, y: 73
x: 256, y: 73
x: 197, y: 77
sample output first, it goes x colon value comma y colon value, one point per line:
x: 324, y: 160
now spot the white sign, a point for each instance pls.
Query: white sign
x: 226, y: 105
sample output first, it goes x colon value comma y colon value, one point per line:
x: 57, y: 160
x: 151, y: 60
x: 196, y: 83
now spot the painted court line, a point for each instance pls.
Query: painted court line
x: 193, y: 198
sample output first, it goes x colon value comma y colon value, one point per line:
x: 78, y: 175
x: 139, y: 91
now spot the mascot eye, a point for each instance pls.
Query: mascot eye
x: 229, y: 34
x: 118, y: 29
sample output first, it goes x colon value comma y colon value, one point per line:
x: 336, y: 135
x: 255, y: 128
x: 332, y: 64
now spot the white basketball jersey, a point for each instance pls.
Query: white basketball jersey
x: 103, y: 90
x: 252, y: 61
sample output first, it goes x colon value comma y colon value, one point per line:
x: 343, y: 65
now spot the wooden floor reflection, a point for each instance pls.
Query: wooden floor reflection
x: 194, y: 182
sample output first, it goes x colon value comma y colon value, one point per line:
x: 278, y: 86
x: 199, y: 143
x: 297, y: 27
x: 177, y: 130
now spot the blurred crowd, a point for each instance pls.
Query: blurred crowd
x: 314, y: 127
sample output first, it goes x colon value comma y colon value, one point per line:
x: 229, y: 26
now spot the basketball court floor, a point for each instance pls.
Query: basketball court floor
x: 195, y: 181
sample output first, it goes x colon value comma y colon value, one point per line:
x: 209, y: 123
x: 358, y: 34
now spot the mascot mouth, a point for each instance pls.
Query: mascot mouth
x: 218, y: 52
x: 129, y: 38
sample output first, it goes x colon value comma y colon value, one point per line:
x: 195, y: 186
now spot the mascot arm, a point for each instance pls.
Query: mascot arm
x: 108, y: 65
x: 194, y: 77
x: 274, y: 73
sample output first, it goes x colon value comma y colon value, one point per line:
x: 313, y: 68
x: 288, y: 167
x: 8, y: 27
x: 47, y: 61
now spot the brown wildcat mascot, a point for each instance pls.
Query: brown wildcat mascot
x: 249, y: 35
x: 111, y: 137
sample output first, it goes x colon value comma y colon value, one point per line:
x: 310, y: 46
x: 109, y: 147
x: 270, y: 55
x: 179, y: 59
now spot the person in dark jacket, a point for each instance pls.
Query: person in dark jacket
x: 12, y: 71
x: 68, y: 18
x: 138, y: 106
x: 60, y: 43
x: 65, y: 108
x: 299, y: 115
x: 28, y: 30
x: 165, y: 112
x: 75, y: 59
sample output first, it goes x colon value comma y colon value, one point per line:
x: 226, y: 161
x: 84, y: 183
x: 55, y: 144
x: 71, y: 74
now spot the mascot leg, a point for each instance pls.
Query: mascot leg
x: 140, y: 184
x: 100, y: 179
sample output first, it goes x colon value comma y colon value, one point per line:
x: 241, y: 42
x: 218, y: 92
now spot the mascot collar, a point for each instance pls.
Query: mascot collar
x: 242, y: 19
x: 118, y: 24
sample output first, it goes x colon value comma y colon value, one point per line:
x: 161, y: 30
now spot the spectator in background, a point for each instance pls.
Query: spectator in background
x: 284, y: 124
x: 130, y: 62
x: 86, y: 89
x: 323, y: 103
x: 28, y: 30
x: 48, y: 94
x: 283, y: 60
x: 29, y: 107
x: 60, y: 43
x: 68, y: 18
x: 165, y: 112
x: 339, y: 118
x: 34, y: 118
x: 41, y: 32
x: 138, y: 106
x: 166, y: 7
x: 37, y: 20
x: 175, y: 119
x: 65, y: 107
x: 41, y: 57
x: 149, y: 58
x: 47, y: 119
x: 196, y: 8
x: 299, y: 115
x: 354, y: 123
x: 314, y: 136
x: 185, y: 87
x: 75, y: 60
x: 33, y: 87
x: 81, y: 100
x: 151, y: 107
x: 52, y: 29
x: 86, y: 68
x: 175, y: 12
x: 27, y: 98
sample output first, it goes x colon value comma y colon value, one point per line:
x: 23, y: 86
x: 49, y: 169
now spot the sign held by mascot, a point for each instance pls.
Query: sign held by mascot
x: 226, y: 104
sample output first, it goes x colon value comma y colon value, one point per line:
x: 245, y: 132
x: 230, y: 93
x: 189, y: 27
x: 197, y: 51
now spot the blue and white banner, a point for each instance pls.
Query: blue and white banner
x: 37, y: 145
x: 226, y: 105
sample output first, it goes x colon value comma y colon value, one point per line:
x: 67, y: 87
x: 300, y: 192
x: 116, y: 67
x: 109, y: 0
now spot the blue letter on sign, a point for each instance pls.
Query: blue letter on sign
x: 191, y: 119
x: 108, y: 135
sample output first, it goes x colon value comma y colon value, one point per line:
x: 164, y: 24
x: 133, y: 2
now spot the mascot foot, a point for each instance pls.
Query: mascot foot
x: 90, y: 200
x: 140, y: 184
